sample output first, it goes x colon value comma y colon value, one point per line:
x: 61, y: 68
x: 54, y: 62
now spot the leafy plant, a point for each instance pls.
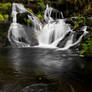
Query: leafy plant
x: 41, y: 4
x: 39, y: 16
x: 1, y: 17
x: 30, y: 10
x: 6, y: 16
x: 77, y: 21
x: 5, y: 5
x: 87, y: 47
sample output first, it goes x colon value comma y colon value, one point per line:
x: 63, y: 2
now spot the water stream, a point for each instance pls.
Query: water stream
x: 48, y: 34
x: 37, y: 63
x: 42, y: 70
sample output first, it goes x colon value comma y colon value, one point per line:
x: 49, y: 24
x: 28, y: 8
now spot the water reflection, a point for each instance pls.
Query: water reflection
x: 43, y: 60
x: 24, y: 67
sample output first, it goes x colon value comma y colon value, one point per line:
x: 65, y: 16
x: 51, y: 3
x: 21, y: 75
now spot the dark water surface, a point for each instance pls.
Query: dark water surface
x: 42, y: 70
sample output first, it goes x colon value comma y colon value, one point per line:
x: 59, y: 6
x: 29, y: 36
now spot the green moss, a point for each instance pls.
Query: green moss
x: 87, y: 45
x: 30, y: 10
x: 28, y: 22
x: 6, y: 16
x: 87, y: 48
x: 39, y: 16
x: 42, y: 5
x: 5, y: 9
x: 5, y: 5
x: 77, y: 21
x: 1, y: 17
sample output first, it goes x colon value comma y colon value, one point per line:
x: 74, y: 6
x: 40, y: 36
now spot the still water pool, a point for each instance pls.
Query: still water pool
x: 42, y: 70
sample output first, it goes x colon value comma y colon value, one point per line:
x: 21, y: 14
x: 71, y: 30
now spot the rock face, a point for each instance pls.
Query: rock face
x: 22, y: 35
x: 51, y: 87
x: 3, y: 34
x: 36, y: 88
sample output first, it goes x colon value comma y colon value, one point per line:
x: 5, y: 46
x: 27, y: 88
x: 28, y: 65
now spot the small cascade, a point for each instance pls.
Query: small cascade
x: 20, y: 35
x: 48, y: 34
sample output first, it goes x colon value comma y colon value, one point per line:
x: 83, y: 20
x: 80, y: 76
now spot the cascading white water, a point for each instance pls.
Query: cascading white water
x: 48, y: 34
x: 20, y: 35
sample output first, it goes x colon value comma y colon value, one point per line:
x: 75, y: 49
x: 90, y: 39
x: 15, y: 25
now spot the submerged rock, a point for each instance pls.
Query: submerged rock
x: 36, y: 88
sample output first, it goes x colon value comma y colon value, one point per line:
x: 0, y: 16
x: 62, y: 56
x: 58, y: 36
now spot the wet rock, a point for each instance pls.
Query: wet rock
x: 36, y: 88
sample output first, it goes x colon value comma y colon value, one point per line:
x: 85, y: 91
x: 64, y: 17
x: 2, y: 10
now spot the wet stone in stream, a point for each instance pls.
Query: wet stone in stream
x: 36, y: 88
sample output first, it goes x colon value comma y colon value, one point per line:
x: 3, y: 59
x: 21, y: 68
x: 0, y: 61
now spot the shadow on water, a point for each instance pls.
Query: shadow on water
x: 41, y: 70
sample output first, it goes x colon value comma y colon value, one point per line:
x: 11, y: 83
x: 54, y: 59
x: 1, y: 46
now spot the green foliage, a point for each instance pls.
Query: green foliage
x: 28, y: 22
x: 4, y: 11
x: 60, y: 1
x: 30, y: 0
x: 30, y: 10
x: 87, y: 42
x: 6, y: 16
x: 77, y: 21
x: 5, y: 6
x: 42, y: 5
x: 81, y: 20
x: 87, y: 47
x: 39, y: 16
x: 1, y: 17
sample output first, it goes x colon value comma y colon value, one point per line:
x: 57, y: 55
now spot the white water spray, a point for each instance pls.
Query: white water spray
x: 49, y: 34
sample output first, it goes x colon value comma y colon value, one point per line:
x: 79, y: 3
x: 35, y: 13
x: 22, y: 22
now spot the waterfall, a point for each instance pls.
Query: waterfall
x: 48, y: 34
